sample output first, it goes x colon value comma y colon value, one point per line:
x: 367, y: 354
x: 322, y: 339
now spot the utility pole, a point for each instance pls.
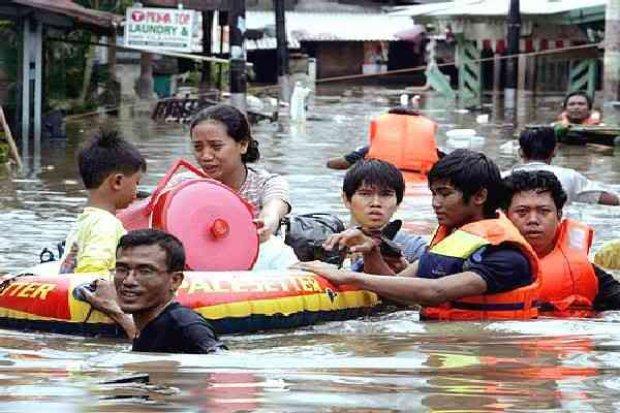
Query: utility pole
x: 282, y: 51
x: 207, y: 38
x: 512, y: 64
x: 236, y: 27
x: 611, y: 71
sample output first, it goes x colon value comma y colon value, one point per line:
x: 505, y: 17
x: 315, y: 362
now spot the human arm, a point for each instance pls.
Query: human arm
x: 269, y: 218
x: 356, y: 241
x: 608, y: 296
x: 406, y: 290
x: 338, y: 163
x: 104, y: 299
x: 593, y: 192
x: 274, y: 204
x: 344, y: 162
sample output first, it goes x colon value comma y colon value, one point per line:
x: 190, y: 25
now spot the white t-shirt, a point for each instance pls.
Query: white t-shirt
x: 576, y: 185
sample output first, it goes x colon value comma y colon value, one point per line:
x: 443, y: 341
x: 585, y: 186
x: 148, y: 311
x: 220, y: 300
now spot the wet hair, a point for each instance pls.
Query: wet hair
x: 539, y: 181
x: 236, y: 123
x: 469, y: 172
x: 175, y: 253
x: 538, y: 143
x: 578, y: 93
x: 374, y: 173
x: 106, y: 153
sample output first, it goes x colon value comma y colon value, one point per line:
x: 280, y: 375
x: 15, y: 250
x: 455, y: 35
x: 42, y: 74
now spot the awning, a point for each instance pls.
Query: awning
x: 81, y: 15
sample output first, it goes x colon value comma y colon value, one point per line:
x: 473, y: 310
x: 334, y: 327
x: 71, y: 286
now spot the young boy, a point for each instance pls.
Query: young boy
x: 110, y: 168
x: 372, y: 190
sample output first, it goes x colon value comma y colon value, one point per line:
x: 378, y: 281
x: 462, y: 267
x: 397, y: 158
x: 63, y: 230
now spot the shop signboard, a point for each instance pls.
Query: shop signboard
x: 159, y: 29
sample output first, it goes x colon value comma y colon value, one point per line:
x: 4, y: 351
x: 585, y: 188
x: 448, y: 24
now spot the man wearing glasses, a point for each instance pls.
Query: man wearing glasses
x: 149, y: 270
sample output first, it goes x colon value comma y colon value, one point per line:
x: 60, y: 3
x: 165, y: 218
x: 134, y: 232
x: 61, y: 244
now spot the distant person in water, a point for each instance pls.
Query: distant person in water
x: 577, y: 110
x: 537, y: 149
x: 387, y: 148
x: 149, y: 271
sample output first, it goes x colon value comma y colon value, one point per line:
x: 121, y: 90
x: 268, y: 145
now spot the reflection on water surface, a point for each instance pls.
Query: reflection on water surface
x: 384, y: 363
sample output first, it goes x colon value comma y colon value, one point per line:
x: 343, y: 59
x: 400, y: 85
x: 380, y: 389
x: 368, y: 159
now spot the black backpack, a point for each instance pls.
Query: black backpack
x: 306, y: 233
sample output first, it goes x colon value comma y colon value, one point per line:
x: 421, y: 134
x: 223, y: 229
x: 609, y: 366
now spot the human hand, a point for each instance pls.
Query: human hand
x: 104, y: 298
x: 263, y: 231
x: 353, y: 239
x: 327, y: 271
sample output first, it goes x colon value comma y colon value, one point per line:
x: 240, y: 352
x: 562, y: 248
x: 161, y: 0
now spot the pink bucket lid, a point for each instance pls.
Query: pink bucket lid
x: 214, y: 224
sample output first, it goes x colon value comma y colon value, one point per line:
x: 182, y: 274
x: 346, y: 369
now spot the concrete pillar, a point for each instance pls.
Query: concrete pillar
x: 513, y: 33
x: 38, y: 92
x: 497, y: 72
x: 282, y: 51
x: 236, y: 32
x: 145, y: 83
x: 611, y: 71
x: 207, y: 38
x: 25, y: 84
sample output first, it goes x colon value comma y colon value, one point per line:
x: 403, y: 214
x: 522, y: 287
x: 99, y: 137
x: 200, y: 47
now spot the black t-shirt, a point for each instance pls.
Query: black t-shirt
x: 178, y: 329
x: 608, y: 297
x: 503, y: 268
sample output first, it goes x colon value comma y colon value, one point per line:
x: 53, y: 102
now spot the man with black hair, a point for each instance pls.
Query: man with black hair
x: 537, y: 149
x: 570, y: 285
x: 577, y: 110
x: 577, y: 107
x: 110, y: 168
x: 372, y: 190
x: 149, y: 270
x: 478, y: 266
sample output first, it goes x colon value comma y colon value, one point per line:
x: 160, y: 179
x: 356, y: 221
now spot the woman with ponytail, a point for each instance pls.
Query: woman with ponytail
x: 223, y: 146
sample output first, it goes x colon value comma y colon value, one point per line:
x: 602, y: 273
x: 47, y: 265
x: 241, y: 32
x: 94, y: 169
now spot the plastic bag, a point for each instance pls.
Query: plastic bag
x: 307, y: 232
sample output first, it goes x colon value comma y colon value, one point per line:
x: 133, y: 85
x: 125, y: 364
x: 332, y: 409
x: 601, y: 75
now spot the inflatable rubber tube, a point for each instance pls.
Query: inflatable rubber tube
x: 234, y: 302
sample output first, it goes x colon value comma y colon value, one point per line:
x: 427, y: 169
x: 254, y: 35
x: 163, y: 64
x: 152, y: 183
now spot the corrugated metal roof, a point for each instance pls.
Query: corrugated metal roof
x: 334, y: 26
x: 82, y: 15
x: 495, y: 7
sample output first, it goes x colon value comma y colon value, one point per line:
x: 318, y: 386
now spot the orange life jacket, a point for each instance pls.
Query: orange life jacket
x: 568, y: 282
x: 406, y: 141
x: 518, y: 304
x: 593, y: 119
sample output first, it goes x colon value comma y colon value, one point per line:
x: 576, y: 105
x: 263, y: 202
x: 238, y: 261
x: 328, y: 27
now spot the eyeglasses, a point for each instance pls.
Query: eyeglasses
x: 140, y: 271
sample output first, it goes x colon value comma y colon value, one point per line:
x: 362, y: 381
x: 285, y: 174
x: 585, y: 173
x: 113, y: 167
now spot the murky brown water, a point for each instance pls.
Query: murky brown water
x: 384, y: 363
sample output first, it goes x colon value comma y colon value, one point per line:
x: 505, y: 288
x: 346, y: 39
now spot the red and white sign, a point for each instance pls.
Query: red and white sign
x: 159, y: 29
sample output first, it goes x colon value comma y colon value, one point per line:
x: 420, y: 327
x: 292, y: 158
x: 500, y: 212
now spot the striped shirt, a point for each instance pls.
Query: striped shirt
x: 261, y: 186
x: 258, y: 189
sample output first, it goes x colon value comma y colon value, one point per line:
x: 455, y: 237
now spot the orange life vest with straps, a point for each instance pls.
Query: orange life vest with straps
x: 593, y: 119
x: 518, y: 304
x: 568, y: 282
x: 406, y: 141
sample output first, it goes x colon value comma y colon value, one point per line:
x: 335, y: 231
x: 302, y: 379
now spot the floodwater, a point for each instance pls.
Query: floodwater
x: 386, y: 362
